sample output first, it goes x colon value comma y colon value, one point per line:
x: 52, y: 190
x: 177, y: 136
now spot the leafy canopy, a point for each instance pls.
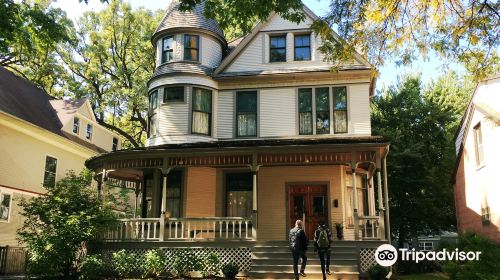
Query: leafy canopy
x: 58, y: 224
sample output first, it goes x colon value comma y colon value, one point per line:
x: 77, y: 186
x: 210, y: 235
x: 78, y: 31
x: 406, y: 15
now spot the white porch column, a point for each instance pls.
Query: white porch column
x: 255, y: 170
x: 355, y: 205
x: 164, y: 172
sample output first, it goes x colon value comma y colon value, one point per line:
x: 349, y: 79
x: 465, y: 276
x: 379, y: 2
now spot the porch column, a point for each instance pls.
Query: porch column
x: 102, y: 186
x: 137, y: 192
x: 164, y: 172
x: 386, y: 201
x: 355, y: 204
x: 380, y: 204
x: 255, y: 169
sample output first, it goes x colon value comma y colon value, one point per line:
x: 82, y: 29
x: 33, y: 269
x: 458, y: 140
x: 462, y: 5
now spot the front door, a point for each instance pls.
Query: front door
x: 309, y: 204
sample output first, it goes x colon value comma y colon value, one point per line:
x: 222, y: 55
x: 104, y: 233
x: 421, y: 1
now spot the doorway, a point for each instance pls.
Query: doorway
x: 309, y: 204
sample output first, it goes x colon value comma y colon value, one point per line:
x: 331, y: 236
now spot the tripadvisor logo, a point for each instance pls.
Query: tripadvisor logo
x: 387, y: 255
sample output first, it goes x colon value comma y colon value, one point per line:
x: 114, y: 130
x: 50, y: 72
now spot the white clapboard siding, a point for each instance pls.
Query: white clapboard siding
x: 359, y: 109
x: 211, y: 51
x: 278, y: 112
x: 225, y: 114
x: 183, y: 79
x: 174, y: 118
x: 177, y: 139
x: 279, y: 23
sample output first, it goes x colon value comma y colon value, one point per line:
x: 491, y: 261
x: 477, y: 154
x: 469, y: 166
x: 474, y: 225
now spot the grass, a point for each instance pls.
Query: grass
x: 423, y: 276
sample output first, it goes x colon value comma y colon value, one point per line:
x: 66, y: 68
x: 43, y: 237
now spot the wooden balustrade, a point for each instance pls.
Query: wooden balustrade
x: 148, y: 229
x: 369, y: 226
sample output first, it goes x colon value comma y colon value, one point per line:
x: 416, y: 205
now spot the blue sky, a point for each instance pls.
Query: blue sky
x: 430, y: 68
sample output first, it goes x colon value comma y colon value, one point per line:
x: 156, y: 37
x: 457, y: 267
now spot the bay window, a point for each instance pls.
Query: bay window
x: 340, y: 109
x: 305, y: 111
x: 202, y: 111
x: 239, y: 194
x: 246, y: 113
x: 167, y: 50
x: 153, y: 100
x: 191, y: 47
x: 173, y: 94
x: 322, y: 111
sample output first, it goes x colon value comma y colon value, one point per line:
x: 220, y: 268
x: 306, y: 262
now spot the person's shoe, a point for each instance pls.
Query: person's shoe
x: 302, y: 274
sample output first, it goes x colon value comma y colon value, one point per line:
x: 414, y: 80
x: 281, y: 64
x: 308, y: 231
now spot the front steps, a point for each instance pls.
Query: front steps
x: 273, y: 260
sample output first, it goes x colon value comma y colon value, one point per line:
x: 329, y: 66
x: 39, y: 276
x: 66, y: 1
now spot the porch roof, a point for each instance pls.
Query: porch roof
x: 239, y: 147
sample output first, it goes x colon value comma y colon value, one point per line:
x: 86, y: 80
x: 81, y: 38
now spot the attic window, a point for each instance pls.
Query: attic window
x: 302, y: 47
x: 191, y: 47
x: 89, y: 131
x: 76, y: 125
x: 167, y: 50
x: 277, y: 48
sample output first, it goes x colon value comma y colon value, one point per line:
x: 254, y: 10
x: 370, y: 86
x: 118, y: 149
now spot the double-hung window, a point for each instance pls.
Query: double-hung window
x: 191, y: 47
x: 246, y: 113
x: 322, y: 111
x: 153, y: 101
x: 174, y: 193
x: 76, y: 125
x: 305, y: 111
x: 202, y: 111
x: 302, y: 47
x: 153, y: 104
x: 478, y: 145
x: 173, y: 94
x: 167, y: 50
x: 89, y: 132
x: 49, y: 177
x: 277, y: 48
x: 5, y: 202
x: 340, y: 109
x: 239, y: 194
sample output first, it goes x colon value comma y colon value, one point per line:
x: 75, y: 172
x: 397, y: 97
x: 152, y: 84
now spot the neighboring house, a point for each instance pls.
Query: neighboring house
x: 41, y: 139
x: 247, y: 137
x: 477, y: 192
x: 432, y: 242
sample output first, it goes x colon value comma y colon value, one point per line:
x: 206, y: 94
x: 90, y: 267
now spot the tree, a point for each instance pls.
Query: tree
x: 422, y: 155
x: 58, y: 224
x: 110, y: 58
x: 463, y: 31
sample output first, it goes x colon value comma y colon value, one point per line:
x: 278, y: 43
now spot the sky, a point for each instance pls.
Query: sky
x: 430, y: 68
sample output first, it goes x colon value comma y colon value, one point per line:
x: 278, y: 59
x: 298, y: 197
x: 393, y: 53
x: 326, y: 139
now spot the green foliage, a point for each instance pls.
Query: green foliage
x: 59, y: 223
x: 230, y: 270
x: 378, y: 272
x: 421, y: 160
x: 185, y: 261
x: 124, y: 263
x: 211, y: 265
x: 154, y: 263
x: 92, y: 267
x: 488, y: 266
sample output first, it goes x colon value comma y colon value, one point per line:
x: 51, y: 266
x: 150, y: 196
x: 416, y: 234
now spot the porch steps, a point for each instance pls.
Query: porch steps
x: 273, y: 260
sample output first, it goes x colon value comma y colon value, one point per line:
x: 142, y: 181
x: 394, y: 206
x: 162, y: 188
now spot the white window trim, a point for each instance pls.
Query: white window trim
x: 57, y: 167
x: 91, y: 133
x: 2, y: 192
x: 78, y: 125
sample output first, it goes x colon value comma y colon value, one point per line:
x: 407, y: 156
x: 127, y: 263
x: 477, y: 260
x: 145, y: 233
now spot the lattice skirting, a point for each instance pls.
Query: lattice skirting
x: 367, y: 258
x: 240, y: 255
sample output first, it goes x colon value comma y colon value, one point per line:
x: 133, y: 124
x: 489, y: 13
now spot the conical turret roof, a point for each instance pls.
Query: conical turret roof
x: 177, y: 19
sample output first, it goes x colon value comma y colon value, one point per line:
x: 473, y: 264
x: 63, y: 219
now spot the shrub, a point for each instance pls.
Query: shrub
x: 154, y: 263
x: 92, y: 267
x: 186, y: 261
x: 378, y: 272
x: 211, y: 265
x: 123, y: 263
x: 487, y: 267
x: 230, y: 270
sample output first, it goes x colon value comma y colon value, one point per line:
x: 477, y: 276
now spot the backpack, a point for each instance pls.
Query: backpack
x: 323, y: 241
x: 294, y: 239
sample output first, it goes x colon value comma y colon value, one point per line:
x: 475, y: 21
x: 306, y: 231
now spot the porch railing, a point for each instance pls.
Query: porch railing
x: 149, y: 229
x: 370, y: 227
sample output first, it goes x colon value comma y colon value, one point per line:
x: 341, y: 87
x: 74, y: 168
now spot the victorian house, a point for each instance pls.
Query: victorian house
x: 246, y: 137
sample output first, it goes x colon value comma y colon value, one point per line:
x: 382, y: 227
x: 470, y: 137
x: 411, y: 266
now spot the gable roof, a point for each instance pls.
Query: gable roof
x: 243, y: 43
x: 24, y: 100
x: 65, y: 109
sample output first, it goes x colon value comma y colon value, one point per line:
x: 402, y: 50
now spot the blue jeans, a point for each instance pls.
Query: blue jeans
x: 296, y: 255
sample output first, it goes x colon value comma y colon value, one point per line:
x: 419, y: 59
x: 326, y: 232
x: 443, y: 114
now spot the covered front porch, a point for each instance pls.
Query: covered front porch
x: 250, y: 190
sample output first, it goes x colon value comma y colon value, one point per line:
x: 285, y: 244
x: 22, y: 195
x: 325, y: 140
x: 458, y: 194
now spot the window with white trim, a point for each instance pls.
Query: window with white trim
x: 89, y: 132
x: 76, y: 125
x: 425, y: 246
x: 478, y: 145
x: 167, y: 50
x: 201, y: 111
x: 5, y: 206
x: 49, y: 177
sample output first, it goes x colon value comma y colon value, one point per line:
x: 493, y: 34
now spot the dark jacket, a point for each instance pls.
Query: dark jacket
x: 298, y: 239
x: 316, y: 236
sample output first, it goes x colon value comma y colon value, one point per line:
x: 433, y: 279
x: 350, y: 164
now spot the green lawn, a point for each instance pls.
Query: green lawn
x: 423, y: 276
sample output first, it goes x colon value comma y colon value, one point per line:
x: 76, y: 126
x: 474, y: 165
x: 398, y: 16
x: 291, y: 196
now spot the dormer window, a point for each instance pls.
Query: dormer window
x: 277, y: 48
x: 89, y: 132
x: 76, y: 125
x: 191, y: 47
x: 302, y: 47
x: 202, y: 111
x: 167, y: 50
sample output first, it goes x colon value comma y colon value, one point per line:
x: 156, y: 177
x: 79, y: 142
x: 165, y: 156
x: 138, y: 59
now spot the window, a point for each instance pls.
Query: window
x: 76, y: 125
x: 362, y: 192
x: 305, y: 111
x: 167, y: 50
x: 5, y: 200
x: 174, y: 193
x: 277, y: 48
x: 302, y: 47
x: 152, y: 125
x: 340, y: 109
x: 239, y: 194
x: 322, y: 111
x: 153, y: 100
x: 485, y: 215
x: 115, y: 144
x: 49, y: 177
x: 173, y: 94
x: 246, y: 113
x: 202, y: 111
x: 89, y: 132
x: 425, y: 246
x: 478, y: 145
x: 191, y: 47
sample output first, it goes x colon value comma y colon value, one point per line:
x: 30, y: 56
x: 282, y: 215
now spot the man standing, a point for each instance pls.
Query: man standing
x: 322, y: 242
x: 298, y: 246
